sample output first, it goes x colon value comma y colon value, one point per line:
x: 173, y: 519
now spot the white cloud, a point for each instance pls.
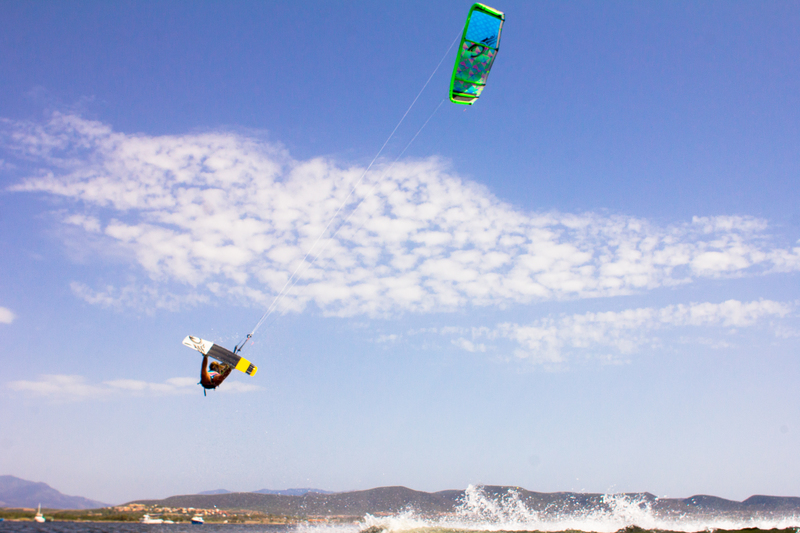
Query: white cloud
x: 468, y: 345
x: 90, y: 224
x: 71, y: 387
x: 236, y: 387
x: 136, y: 295
x: 551, y: 340
x: 6, y: 316
x: 59, y: 386
x: 223, y: 215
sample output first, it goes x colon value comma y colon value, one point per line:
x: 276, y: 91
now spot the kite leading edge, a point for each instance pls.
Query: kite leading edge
x: 479, y: 45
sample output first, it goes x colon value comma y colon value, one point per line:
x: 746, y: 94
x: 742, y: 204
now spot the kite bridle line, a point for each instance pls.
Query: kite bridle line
x: 289, y: 283
x: 238, y: 347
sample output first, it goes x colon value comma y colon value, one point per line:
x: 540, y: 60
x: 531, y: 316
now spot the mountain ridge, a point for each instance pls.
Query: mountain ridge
x: 285, y: 492
x: 387, y: 500
x: 17, y: 492
x: 292, y: 492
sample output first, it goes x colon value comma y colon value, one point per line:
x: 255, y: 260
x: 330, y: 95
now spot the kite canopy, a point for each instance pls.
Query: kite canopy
x: 479, y: 45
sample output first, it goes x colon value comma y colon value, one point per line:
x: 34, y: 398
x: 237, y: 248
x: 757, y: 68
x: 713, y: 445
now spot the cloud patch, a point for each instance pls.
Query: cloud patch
x: 6, y: 316
x: 221, y: 215
x: 468, y: 345
x: 136, y: 295
x: 62, y: 387
x: 552, y: 340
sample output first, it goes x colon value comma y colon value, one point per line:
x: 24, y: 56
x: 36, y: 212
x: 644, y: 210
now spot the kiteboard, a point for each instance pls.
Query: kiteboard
x: 223, y: 355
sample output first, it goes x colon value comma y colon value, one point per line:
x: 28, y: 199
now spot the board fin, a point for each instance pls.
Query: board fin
x: 223, y: 355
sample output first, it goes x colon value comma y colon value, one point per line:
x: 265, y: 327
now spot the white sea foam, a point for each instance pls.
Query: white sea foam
x: 328, y: 528
x: 480, y: 511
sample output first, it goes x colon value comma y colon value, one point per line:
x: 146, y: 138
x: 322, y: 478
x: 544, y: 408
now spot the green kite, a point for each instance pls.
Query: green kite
x: 479, y: 45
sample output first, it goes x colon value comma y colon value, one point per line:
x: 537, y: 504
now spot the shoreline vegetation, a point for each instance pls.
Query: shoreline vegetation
x: 134, y: 513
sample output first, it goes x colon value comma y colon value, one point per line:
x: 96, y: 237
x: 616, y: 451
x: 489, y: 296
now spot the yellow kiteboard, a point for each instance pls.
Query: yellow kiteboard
x: 223, y: 355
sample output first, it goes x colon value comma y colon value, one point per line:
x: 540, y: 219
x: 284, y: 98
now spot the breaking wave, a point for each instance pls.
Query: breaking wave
x: 479, y: 511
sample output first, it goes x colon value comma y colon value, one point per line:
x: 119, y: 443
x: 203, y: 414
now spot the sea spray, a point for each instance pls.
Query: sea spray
x: 506, y: 512
x: 479, y: 510
x: 406, y: 520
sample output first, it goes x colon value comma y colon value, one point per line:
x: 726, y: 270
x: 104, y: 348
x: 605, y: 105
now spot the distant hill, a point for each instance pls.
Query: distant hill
x: 385, y: 500
x: 16, y: 492
x: 305, y: 502
x: 291, y: 492
x: 358, y: 503
x: 284, y: 492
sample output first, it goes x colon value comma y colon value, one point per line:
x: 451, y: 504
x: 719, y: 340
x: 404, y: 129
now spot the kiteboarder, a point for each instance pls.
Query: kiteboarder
x: 211, y: 376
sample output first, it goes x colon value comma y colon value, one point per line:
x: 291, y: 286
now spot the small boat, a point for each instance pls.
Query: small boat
x: 39, y: 516
x: 168, y: 522
x: 198, y: 519
x: 147, y: 520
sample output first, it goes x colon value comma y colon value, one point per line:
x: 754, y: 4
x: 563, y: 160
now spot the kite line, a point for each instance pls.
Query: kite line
x: 344, y: 223
x: 293, y: 279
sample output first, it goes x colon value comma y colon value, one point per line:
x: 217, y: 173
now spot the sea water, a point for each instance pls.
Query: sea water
x: 135, y: 527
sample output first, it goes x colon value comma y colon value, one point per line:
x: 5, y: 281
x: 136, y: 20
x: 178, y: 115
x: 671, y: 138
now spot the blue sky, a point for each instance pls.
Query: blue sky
x: 586, y: 281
